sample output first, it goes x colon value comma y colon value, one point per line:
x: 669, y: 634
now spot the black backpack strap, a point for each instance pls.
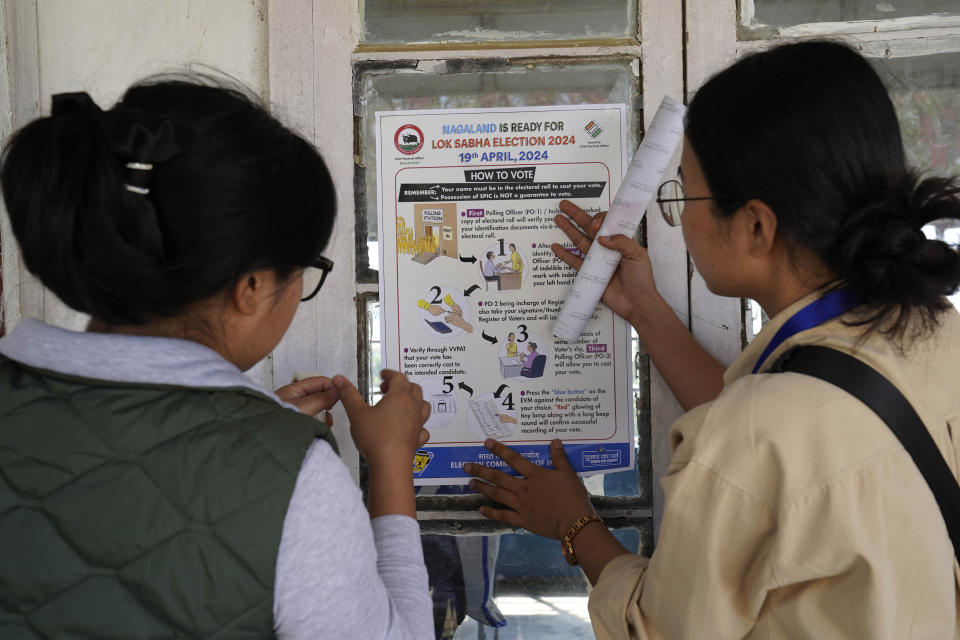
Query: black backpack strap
x: 866, y: 384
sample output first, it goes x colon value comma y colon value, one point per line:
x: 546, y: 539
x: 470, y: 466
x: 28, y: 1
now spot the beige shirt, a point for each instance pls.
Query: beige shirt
x: 792, y: 511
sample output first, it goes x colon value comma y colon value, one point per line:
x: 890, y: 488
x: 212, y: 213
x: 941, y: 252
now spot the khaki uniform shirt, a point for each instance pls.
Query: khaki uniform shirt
x: 792, y: 511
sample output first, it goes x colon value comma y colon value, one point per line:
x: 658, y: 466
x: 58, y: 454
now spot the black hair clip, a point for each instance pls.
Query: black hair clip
x: 140, y: 140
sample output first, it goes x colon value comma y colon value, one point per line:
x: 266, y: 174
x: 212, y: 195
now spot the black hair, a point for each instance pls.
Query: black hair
x: 489, y: 254
x: 809, y: 129
x: 243, y: 193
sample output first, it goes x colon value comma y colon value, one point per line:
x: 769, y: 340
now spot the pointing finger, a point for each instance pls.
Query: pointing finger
x: 350, y: 397
x: 571, y: 259
x: 583, y: 219
x: 579, y: 239
x: 559, y: 456
x: 596, y: 223
x: 493, y: 476
x: 516, y: 461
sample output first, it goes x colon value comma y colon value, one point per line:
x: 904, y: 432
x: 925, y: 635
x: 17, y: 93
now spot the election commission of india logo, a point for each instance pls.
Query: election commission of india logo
x: 408, y: 139
x: 593, y: 129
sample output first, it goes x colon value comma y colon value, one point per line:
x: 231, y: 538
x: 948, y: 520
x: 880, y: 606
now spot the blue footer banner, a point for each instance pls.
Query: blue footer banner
x: 447, y: 462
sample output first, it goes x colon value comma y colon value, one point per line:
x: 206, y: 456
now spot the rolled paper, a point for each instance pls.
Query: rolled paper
x: 636, y: 192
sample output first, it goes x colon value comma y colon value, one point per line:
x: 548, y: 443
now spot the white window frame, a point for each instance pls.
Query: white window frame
x: 313, y: 45
x: 717, y: 34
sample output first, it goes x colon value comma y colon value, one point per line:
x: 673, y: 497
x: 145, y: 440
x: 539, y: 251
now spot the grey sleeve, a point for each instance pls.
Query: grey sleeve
x: 341, y: 575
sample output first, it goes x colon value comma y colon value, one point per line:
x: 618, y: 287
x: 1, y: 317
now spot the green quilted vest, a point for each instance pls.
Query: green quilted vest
x: 138, y: 511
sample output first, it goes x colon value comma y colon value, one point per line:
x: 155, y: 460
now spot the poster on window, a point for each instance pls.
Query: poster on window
x: 470, y: 289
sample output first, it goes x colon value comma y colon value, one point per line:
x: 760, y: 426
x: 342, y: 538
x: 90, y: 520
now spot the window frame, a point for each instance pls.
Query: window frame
x: 314, y: 48
x: 718, y: 34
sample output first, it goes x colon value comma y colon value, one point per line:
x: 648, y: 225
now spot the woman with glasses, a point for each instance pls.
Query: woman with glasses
x: 147, y: 487
x: 791, y: 509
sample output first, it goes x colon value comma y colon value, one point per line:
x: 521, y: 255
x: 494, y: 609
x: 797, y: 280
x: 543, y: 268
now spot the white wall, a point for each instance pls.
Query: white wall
x: 102, y: 46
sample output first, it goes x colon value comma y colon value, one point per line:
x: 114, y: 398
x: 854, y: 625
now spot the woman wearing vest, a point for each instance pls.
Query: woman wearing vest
x: 791, y: 509
x: 148, y: 489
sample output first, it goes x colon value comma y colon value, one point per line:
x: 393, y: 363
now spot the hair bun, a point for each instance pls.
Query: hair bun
x: 77, y: 103
x: 882, y: 252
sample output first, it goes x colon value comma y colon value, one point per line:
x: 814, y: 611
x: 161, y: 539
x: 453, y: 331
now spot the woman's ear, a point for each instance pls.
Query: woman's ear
x: 250, y: 291
x: 757, y: 227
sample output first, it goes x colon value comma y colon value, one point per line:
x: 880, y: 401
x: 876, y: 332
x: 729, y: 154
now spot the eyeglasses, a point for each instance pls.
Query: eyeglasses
x: 314, y: 275
x: 671, y: 199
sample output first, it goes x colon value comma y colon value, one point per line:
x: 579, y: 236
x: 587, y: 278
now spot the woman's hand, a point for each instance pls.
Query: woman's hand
x: 632, y: 284
x: 546, y: 502
x: 388, y: 433
x: 311, y: 395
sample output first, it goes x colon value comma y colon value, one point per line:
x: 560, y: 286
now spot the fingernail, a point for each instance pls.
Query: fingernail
x: 338, y: 381
x: 483, y: 511
x: 603, y: 238
x: 473, y: 484
x: 468, y: 468
x: 556, y: 444
x: 489, y: 443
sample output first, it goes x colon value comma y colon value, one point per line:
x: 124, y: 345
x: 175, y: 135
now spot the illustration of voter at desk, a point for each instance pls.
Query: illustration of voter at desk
x: 530, y: 364
x: 505, y: 275
x: 533, y: 362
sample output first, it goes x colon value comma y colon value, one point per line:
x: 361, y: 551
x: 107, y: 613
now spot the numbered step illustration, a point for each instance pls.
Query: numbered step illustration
x: 503, y: 268
x: 492, y: 415
x: 443, y: 314
x: 440, y: 393
x: 522, y: 355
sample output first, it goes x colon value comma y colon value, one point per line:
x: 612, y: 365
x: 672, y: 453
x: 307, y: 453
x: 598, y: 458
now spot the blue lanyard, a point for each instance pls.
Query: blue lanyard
x: 835, y: 303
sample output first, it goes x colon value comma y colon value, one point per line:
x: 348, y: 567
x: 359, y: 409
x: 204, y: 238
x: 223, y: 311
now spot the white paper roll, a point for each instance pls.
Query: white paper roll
x: 635, y: 194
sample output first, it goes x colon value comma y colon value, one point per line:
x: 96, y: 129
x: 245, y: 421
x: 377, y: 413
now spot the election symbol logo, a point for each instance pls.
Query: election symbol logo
x: 421, y: 459
x: 408, y: 139
x: 593, y: 129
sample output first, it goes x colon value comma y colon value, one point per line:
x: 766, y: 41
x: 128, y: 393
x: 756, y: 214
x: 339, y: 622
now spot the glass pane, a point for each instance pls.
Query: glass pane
x: 784, y: 13
x: 404, y: 21
x: 473, y: 84
x: 926, y: 93
x: 949, y: 232
x: 373, y: 351
x: 754, y: 318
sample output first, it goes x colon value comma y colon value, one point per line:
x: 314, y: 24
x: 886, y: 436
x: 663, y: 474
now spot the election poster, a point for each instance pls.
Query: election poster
x: 470, y: 289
